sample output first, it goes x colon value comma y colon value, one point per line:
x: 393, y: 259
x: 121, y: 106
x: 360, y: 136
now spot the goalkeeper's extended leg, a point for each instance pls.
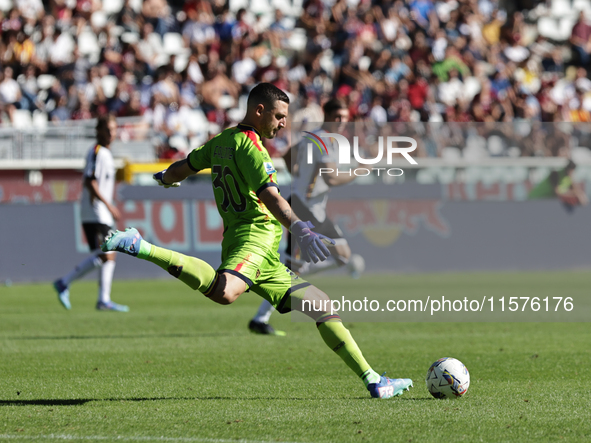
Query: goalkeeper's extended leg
x: 339, y: 339
x: 195, y: 273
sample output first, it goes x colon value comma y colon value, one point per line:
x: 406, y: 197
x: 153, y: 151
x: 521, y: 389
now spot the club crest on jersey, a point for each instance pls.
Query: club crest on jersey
x: 269, y: 168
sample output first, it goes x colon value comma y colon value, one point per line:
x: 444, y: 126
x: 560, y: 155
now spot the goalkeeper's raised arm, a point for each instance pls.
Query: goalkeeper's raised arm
x: 312, y: 244
x: 174, y: 174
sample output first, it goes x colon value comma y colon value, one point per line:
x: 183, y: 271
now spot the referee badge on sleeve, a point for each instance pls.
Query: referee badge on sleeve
x: 269, y: 168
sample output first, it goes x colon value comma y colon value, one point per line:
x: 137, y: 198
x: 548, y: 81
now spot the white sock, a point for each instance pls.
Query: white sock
x: 83, y: 268
x: 264, y: 312
x: 105, y: 281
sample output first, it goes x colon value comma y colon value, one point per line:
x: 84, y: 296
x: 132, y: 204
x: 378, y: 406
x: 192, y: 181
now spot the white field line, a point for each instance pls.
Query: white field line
x: 123, y: 438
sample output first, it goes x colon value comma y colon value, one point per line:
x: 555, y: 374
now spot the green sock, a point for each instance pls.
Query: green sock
x: 370, y: 376
x: 192, y: 271
x: 339, y: 339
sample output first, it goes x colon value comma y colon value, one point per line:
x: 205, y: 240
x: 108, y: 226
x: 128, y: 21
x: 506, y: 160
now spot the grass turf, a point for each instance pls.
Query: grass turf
x: 181, y: 368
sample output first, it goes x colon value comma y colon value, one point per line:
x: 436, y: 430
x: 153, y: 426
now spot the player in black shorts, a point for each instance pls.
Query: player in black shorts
x: 98, y: 214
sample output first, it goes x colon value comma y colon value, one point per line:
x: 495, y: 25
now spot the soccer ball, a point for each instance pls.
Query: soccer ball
x: 447, y: 378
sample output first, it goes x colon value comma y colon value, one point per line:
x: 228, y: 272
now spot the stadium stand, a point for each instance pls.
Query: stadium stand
x: 168, y: 65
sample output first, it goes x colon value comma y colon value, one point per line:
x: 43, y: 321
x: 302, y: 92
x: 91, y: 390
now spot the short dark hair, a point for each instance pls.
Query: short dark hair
x: 103, y: 135
x: 266, y: 94
x: 333, y: 105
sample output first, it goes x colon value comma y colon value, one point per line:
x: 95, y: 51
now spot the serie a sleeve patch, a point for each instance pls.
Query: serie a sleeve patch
x: 269, y: 168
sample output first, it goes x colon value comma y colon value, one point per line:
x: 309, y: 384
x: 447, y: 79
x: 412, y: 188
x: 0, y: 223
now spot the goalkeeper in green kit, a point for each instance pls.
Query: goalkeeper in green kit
x: 253, y: 211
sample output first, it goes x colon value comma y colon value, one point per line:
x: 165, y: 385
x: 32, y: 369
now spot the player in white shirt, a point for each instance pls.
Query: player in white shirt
x: 308, y: 200
x: 98, y: 214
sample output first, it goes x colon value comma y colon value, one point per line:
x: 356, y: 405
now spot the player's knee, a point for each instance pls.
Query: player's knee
x: 222, y: 296
x: 227, y: 290
x: 228, y: 297
x: 315, y: 303
x: 222, y: 301
x: 107, y: 256
x: 343, y: 252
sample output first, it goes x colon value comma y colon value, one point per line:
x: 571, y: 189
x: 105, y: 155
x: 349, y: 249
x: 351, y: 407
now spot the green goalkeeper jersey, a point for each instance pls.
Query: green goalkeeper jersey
x: 241, y: 169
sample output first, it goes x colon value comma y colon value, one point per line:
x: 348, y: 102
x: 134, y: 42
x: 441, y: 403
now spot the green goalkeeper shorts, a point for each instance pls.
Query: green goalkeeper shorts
x: 266, y: 276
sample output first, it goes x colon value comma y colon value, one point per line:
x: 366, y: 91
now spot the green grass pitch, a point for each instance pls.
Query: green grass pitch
x: 181, y: 368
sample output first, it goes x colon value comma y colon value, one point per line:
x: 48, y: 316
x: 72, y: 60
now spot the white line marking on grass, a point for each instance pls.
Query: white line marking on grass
x: 124, y: 438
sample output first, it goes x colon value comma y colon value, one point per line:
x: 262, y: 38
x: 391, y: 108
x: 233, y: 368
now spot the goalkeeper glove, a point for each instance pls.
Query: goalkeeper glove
x: 312, y: 245
x: 159, y: 178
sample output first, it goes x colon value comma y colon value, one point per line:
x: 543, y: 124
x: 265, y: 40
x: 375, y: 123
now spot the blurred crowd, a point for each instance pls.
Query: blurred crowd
x: 184, y: 69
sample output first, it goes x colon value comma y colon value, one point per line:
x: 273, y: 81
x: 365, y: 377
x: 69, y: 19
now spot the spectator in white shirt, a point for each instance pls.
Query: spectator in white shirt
x: 451, y: 90
x: 377, y: 113
x: 10, y: 92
